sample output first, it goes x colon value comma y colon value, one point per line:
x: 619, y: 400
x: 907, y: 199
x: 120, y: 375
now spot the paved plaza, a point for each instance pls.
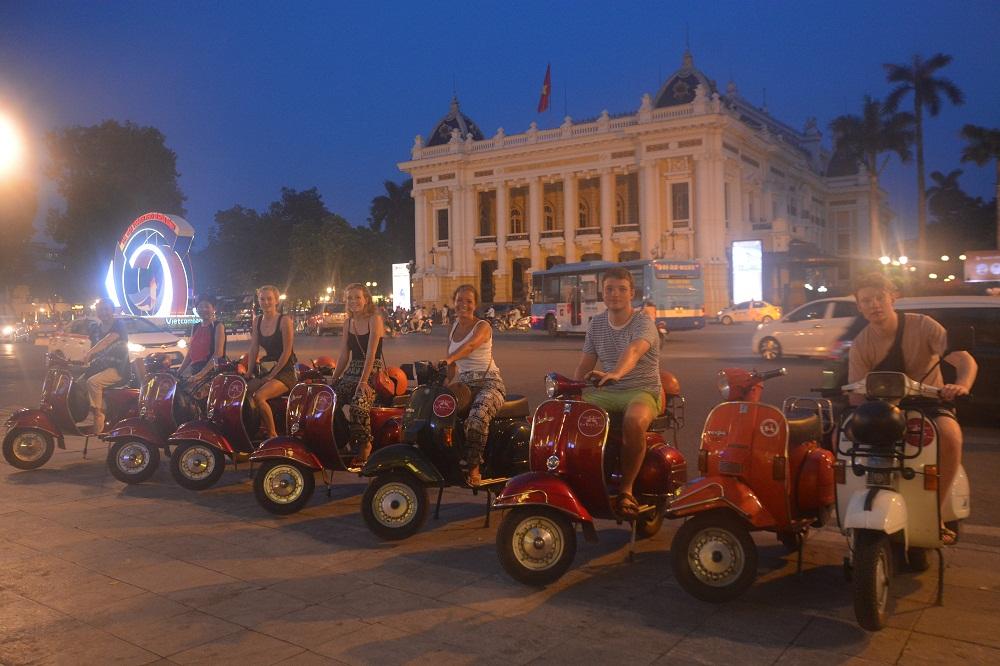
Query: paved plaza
x: 92, y: 572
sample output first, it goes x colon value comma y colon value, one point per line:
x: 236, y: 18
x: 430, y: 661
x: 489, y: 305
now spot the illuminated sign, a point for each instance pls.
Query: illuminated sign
x: 150, y: 274
x: 748, y: 271
x: 982, y: 266
x: 401, y: 286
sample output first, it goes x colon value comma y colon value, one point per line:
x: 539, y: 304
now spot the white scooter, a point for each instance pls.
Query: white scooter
x: 887, y: 488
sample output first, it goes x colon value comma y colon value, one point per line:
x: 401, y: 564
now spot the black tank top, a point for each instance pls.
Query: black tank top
x: 273, y: 344
x: 358, y: 344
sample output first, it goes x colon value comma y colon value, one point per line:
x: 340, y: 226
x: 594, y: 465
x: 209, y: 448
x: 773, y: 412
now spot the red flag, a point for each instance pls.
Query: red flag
x: 543, y: 102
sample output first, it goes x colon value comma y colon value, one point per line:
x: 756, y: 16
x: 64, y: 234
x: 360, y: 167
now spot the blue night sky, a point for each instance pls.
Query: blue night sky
x: 253, y: 96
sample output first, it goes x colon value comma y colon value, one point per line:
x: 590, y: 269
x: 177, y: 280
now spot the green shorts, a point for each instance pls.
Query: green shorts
x: 616, y: 400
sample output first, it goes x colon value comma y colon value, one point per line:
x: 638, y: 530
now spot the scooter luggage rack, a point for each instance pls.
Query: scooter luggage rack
x: 822, y: 406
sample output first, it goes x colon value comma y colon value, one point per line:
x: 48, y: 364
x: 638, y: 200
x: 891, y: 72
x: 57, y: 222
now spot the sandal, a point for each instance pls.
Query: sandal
x: 362, y: 458
x: 473, y: 477
x: 626, y: 505
x: 948, y: 537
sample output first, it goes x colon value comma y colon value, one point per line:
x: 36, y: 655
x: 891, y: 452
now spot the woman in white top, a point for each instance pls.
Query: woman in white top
x: 470, y: 362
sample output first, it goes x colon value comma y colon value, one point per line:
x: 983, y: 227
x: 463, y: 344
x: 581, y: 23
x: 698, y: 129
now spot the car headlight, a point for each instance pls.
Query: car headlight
x: 719, y: 313
x: 550, y: 386
x: 182, y: 344
x: 136, y: 347
x: 8, y: 330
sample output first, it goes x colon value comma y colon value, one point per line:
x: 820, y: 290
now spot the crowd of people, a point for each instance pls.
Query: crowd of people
x: 620, y: 356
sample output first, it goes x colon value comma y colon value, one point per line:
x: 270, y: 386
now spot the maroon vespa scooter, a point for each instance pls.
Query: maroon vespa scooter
x: 32, y: 434
x: 575, y: 474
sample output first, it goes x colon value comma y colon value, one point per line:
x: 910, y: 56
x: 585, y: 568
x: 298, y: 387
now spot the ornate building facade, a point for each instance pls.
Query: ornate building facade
x: 693, y: 170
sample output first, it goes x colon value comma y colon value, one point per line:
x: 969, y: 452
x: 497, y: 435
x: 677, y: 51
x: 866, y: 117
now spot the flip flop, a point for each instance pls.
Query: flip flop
x: 473, y: 478
x: 627, y: 505
x: 948, y: 537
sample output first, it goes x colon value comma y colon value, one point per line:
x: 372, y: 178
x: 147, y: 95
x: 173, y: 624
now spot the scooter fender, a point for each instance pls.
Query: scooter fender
x: 879, y: 509
x: 36, y: 419
x: 405, y: 457
x: 541, y: 489
x: 289, y: 448
x: 717, y: 492
x: 201, y: 431
x: 135, y: 427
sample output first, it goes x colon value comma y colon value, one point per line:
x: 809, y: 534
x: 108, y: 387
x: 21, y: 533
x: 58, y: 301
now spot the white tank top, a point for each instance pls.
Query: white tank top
x: 481, y: 358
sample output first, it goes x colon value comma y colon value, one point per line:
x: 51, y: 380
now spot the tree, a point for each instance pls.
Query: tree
x: 918, y: 77
x: 108, y: 175
x: 960, y: 222
x: 393, y: 214
x: 983, y: 146
x: 864, y: 139
x: 18, y: 206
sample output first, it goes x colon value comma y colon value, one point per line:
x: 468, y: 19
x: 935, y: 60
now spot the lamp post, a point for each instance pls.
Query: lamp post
x: 11, y: 145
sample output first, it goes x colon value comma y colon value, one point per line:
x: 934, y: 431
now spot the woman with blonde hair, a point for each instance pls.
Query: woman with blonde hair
x: 360, y: 359
x: 275, y: 333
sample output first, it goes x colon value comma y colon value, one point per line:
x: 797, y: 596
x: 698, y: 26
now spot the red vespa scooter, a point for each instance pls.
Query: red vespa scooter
x: 574, y: 475
x: 316, y: 431
x: 33, y: 433
x: 763, y: 468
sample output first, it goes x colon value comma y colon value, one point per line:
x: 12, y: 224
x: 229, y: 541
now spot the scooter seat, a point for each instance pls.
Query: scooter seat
x: 515, y: 406
x: 802, y: 429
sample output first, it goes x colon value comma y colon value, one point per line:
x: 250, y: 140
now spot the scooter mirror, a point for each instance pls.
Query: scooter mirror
x: 961, y: 338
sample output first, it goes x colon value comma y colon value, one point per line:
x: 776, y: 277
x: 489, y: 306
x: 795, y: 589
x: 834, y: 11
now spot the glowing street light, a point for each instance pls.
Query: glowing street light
x: 961, y: 257
x: 903, y: 259
x: 329, y: 290
x: 945, y: 257
x: 282, y: 297
x: 932, y: 276
x: 11, y: 145
x: 884, y: 260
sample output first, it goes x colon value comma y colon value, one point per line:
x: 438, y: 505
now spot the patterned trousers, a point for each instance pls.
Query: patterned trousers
x: 359, y: 419
x: 488, y: 392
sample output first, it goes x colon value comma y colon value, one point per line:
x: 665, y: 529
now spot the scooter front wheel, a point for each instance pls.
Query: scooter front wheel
x: 196, y: 465
x: 394, y: 505
x: 27, y: 449
x: 872, y: 574
x: 536, y: 546
x: 714, y: 558
x: 283, y: 487
x: 133, y: 460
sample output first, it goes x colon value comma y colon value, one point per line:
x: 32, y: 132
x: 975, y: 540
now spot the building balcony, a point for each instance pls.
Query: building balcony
x: 517, y: 237
x: 589, y: 231
x: 554, y: 233
x: 484, y: 240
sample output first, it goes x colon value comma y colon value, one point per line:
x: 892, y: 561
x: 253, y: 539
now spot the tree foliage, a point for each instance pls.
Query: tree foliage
x: 959, y: 222
x: 18, y: 206
x: 108, y: 175
x: 393, y: 214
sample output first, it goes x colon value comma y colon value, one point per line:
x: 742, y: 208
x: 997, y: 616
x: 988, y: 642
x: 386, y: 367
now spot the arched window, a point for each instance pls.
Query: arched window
x: 517, y: 221
x: 550, y: 218
x: 619, y: 210
x: 584, y: 215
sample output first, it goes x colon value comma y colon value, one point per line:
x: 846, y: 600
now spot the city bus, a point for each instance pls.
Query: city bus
x: 565, y: 297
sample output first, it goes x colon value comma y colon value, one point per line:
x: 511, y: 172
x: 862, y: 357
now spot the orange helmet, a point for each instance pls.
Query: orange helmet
x: 324, y: 363
x: 400, y: 377
x: 671, y: 386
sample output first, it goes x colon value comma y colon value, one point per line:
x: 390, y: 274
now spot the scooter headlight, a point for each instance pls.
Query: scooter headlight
x: 550, y: 386
x: 723, y: 384
x: 552, y: 463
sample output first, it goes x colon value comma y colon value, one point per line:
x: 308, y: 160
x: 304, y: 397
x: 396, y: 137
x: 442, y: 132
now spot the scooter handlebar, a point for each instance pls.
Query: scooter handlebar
x: 771, y: 374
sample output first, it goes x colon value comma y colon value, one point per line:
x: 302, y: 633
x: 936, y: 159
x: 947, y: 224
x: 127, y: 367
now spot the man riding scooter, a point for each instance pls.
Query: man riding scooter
x: 107, y: 357
x: 625, y: 342
x: 912, y: 344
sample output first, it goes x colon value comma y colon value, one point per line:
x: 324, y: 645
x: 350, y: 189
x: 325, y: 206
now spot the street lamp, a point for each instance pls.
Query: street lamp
x: 884, y: 260
x: 11, y: 145
x: 282, y: 297
x: 945, y: 257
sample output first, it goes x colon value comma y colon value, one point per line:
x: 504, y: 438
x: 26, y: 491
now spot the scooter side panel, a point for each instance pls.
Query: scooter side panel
x: 136, y: 427
x: 959, y: 506
x: 285, y: 447
x: 121, y: 403
x: 156, y: 400
x: 923, y: 526
x: 202, y: 431
x: 403, y: 457
x: 886, y: 512
x: 541, y: 489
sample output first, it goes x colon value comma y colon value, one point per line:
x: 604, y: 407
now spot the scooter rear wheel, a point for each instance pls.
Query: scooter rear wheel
x: 196, y: 465
x: 394, y: 505
x: 872, y: 575
x: 283, y: 487
x: 714, y: 558
x: 133, y: 460
x: 536, y: 545
x: 27, y: 449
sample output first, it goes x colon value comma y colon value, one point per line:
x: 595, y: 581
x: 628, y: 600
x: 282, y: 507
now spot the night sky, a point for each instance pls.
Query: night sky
x: 253, y: 96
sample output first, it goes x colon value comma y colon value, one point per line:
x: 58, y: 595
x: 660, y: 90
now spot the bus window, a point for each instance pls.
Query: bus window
x: 588, y: 288
x: 536, y: 289
x: 551, y: 289
x: 640, y: 283
x: 567, y: 285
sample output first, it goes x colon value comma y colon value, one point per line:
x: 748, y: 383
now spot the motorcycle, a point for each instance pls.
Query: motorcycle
x: 316, y: 432
x: 575, y: 474
x: 230, y: 430
x: 889, y: 506
x: 411, y: 325
x: 165, y: 402
x: 32, y: 434
x: 395, y: 503
x: 763, y: 468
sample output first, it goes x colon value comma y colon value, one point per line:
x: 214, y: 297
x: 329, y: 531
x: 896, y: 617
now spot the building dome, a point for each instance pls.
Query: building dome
x: 681, y: 85
x: 441, y: 134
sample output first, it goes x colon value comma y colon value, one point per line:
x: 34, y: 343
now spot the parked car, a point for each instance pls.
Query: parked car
x: 809, y: 330
x: 144, y: 338
x: 13, y: 329
x: 44, y: 328
x: 756, y: 311
x: 326, y: 318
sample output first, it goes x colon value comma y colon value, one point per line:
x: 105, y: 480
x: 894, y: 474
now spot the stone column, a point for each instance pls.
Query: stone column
x: 535, y: 213
x: 649, y: 212
x: 503, y: 219
x: 420, y: 230
x: 571, y: 215
x: 607, y: 214
x: 469, y: 221
x: 709, y: 228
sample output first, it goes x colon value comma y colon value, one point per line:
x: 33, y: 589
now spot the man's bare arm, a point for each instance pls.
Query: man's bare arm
x: 587, y: 363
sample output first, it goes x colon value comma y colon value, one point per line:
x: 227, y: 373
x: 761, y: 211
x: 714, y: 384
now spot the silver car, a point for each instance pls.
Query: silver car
x: 808, y: 330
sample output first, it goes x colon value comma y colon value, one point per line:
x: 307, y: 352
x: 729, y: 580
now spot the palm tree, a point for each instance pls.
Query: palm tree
x: 864, y: 139
x: 392, y: 213
x: 983, y: 145
x: 944, y: 184
x: 918, y: 78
